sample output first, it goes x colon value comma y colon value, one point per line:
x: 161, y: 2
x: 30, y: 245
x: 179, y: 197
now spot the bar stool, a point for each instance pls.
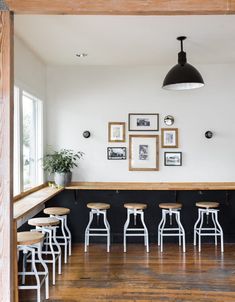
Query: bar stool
x: 47, y: 225
x: 61, y: 214
x: 30, y: 243
x: 170, y: 209
x: 207, y: 208
x: 98, y: 209
x: 135, y: 209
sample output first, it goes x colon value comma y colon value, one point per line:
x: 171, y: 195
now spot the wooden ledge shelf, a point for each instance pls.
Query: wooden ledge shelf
x: 30, y: 205
x: 152, y: 186
x: 31, y: 202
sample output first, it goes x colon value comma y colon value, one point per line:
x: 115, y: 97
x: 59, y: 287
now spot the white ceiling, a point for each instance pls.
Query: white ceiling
x: 128, y: 40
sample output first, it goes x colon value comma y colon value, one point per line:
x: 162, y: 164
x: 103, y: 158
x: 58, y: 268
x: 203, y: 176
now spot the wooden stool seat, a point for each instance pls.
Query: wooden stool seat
x: 57, y: 211
x: 207, y: 204
x: 135, y: 206
x: 173, y: 205
x: 43, y: 221
x: 29, y: 238
x: 98, y: 205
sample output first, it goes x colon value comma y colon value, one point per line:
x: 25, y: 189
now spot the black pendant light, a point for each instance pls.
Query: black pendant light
x: 182, y: 76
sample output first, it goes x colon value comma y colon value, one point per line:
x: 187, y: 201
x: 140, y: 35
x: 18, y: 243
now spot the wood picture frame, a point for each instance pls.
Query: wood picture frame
x: 144, y: 153
x: 143, y: 121
x: 116, y: 132
x: 173, y: 159
x: 169, y: 137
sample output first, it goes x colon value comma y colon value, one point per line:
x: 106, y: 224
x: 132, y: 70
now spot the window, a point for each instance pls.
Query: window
x: 28, y: 141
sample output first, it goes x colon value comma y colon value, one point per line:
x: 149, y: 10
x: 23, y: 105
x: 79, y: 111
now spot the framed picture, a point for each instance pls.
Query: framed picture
x: 117, y: 132
x: 173, y: 158
x: 143, y: 121
x: 169, y: 137
x: 143, y: 152
x: 116, y: 153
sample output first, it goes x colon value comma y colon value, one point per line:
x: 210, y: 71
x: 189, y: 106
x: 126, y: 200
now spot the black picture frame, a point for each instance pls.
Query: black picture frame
x: 144, y: 116
x: 113, y: 154
x: 172, y: 162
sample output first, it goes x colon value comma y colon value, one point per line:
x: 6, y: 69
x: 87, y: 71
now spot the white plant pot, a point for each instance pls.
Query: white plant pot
x: 62, y: 179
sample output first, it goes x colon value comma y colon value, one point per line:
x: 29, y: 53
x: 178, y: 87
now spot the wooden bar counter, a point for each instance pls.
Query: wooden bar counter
x: 152, y: 186
x: 28, y: 205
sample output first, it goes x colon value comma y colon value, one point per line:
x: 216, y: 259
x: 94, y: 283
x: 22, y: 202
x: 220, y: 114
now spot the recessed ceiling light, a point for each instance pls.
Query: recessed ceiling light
x: 81, y: 55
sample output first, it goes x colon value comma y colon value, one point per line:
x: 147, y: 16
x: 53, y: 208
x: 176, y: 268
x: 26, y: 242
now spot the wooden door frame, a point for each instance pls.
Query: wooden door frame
x: 8, y: 260
x: 123, y: 7
x: 7, y: 235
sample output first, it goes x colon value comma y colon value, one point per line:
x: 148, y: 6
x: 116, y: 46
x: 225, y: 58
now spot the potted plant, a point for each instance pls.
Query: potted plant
x: 60, y: 163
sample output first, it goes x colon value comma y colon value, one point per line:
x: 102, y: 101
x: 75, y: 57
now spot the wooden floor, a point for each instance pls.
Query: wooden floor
x: 138, y: 276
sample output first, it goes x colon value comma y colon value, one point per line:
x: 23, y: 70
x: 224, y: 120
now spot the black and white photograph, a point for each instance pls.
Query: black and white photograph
x: 143, y: 121
x: 169, y: 137
x: 173, y: 158
x: 143, y: 152
x: 116, y: 153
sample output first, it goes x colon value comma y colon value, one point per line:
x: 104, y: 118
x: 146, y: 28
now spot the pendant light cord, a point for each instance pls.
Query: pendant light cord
x: 181, y: 45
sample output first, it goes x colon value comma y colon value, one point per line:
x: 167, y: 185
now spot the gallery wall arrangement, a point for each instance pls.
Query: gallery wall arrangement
x: 144, y: 148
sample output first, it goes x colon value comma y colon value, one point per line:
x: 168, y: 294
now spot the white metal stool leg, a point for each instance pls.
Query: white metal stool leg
x: 34, y: 272
x: 107, y: 229
x: 42, y: 262
x: 126, y: 231
x: 146, y: 236
x: 208, y: 231
x: 25, y: 252
x: 170, y: 231
x: 89, y: 232
x: 36, y: 276
x: 55, y: 254
x: 199, y: 230
x: 215, y: 226
x: 66, y: 236
x: 58, y: 249
x: 69, y: 235
x: 195, y: 229
x: 161, y: 229
x: 221, y: 232
x: 182, y: 234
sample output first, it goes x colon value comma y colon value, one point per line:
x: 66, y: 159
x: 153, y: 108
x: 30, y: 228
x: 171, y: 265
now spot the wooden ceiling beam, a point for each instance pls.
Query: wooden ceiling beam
x: 123, y: 7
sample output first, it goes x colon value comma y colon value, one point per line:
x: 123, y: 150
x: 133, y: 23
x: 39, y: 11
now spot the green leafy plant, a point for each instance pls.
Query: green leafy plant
x: 62, y: 161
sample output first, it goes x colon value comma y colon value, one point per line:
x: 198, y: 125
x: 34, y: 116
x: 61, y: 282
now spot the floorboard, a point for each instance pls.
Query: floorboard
x: 138, y: 276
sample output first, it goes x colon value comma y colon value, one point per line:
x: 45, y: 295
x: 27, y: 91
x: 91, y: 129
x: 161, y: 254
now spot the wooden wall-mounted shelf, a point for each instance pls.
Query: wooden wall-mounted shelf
x: 33, y: 201
x: 151, y: 186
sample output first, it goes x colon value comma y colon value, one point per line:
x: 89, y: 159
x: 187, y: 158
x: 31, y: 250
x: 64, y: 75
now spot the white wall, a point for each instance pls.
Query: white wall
x: 87, y: 98
x: 30, y: 75
x: 29, y: 70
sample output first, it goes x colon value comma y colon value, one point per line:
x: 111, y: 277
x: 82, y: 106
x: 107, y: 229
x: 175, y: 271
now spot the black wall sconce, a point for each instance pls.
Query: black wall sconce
x: 86, y: 134
x: 208, y: 134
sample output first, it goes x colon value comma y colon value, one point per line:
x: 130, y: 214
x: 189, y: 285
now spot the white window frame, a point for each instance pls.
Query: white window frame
x: 39, y: 129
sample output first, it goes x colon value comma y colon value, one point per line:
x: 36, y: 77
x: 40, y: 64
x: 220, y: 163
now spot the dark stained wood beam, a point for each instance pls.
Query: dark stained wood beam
x: 7, y: 247
x: 123, y: 7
